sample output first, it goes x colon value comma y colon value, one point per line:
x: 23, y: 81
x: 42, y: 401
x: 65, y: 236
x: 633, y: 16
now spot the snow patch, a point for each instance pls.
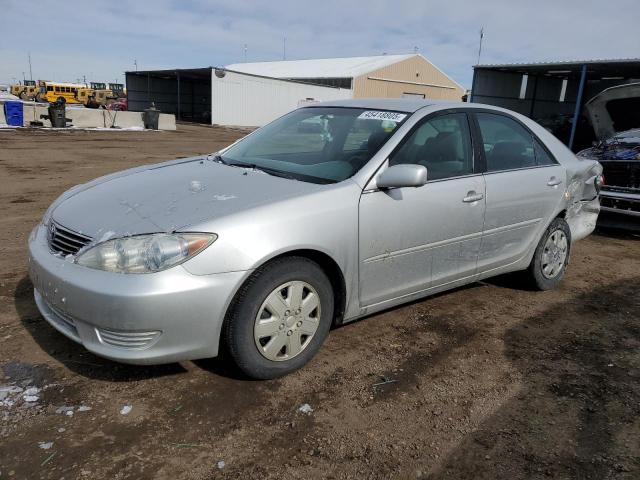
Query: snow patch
x: 126, y: 410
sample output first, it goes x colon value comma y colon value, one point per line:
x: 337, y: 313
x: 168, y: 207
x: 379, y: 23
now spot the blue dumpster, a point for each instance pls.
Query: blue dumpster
x: 13, y: 113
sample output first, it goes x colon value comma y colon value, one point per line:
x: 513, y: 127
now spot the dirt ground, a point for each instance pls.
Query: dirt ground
x: 490, y: 381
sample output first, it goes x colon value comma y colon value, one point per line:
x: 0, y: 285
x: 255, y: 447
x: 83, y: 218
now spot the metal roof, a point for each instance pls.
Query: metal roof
x: 559, y: 63
x: 347, y: 67
x: 184, y: 72
x: 604, y: 69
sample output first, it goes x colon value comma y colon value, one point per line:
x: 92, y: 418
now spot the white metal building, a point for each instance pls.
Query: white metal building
x: 253, y: 94
x: 251, y: 100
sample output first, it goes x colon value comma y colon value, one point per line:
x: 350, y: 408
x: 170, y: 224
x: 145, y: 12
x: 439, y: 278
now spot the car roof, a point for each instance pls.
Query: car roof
x: 407, y: 105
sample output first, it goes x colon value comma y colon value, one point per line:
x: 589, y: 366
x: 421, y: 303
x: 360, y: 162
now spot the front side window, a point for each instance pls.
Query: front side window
x: 317, y: 144
x: 442, y: 144
x: 507, y: 144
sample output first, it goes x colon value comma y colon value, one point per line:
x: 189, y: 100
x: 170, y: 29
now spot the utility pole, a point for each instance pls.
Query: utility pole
x: 480, y: 46
x: 245, y: 53
x: 284, y: 48
x: 84, y: 79
x: 30, y: 72
x: 135, y: 62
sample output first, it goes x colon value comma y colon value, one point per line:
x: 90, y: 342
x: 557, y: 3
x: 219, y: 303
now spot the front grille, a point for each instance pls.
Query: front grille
x: 623, y: 205
x: 122, y: 339
x: 620, y: 173
x: 65, y: 241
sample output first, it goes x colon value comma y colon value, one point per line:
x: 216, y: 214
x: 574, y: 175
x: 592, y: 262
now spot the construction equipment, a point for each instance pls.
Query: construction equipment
x: 99, y: 94
x: 26, y: 91
x: 118, y: 90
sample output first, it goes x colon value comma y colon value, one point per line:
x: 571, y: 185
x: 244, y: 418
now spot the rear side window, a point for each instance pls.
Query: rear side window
x: 442, y: 144
x: 542, y: 156
x: 507, y: 144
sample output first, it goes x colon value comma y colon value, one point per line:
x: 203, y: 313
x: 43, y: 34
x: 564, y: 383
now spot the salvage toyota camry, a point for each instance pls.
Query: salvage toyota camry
x: 328, y: 214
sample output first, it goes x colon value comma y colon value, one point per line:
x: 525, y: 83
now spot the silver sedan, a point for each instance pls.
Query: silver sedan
x: 328, y: 214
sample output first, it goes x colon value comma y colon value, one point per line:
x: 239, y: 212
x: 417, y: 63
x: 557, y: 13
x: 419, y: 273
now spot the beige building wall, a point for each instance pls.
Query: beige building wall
x: 415, y: 75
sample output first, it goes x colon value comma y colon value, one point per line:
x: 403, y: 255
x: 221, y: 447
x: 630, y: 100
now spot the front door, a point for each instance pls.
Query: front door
x: 414, y: 239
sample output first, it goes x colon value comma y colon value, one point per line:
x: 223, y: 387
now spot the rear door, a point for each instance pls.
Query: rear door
x: 524, y: 185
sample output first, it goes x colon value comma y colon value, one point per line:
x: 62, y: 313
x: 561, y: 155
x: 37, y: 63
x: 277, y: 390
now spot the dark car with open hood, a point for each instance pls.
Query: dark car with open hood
x: 615, y: 116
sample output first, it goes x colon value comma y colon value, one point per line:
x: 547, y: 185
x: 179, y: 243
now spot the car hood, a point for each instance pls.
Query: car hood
x: 614, y: 110
x: 169, y: 197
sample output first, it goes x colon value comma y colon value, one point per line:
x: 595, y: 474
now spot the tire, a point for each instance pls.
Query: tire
x: 260, y: 358
x: 548, y: 265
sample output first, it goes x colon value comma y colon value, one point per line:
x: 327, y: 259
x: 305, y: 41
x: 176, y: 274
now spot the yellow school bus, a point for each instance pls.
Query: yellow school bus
x: 52, y: 91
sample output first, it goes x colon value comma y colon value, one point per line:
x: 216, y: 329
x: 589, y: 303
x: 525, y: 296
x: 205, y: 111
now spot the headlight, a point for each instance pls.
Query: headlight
x: 145, y: 253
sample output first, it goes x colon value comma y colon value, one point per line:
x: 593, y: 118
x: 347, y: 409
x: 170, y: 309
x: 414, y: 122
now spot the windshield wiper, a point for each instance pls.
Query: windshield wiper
x: 219, y: 159
x: 253, y: 166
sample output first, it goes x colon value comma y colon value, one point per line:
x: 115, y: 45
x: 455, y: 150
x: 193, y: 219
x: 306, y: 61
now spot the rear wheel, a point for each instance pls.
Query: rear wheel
x: 551, y: 258
x: 280, y: 318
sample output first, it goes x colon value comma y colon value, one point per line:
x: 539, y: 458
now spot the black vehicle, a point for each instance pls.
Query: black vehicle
x: 613, y: 113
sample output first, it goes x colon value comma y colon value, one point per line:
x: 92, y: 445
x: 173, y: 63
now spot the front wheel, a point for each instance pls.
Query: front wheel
x: 551, y: 257
x: 279, y: 318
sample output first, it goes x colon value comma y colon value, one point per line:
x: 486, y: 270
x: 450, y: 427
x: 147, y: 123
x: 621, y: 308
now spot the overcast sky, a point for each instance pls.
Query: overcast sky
x: 101, y: 39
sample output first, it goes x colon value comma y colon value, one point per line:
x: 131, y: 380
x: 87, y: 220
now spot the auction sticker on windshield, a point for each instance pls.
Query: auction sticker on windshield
x: 377, y: 115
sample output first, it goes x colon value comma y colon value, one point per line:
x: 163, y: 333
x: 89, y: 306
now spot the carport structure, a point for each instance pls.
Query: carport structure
x: 184, y: 92
x: 552, y: 93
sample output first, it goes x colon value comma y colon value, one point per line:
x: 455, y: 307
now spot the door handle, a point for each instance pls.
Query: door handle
x: 554, y: 182
x: 472, y: 197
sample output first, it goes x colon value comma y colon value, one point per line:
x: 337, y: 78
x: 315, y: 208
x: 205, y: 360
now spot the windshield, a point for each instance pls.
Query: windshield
x: 317, y: 144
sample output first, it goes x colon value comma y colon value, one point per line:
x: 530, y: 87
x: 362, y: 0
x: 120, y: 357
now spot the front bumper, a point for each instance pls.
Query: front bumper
x: 155, y: 318
x: 620, y: 208
x: 625, y: 201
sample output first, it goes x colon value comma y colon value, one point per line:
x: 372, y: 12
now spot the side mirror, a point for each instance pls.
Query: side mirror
x: 403, y: 175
